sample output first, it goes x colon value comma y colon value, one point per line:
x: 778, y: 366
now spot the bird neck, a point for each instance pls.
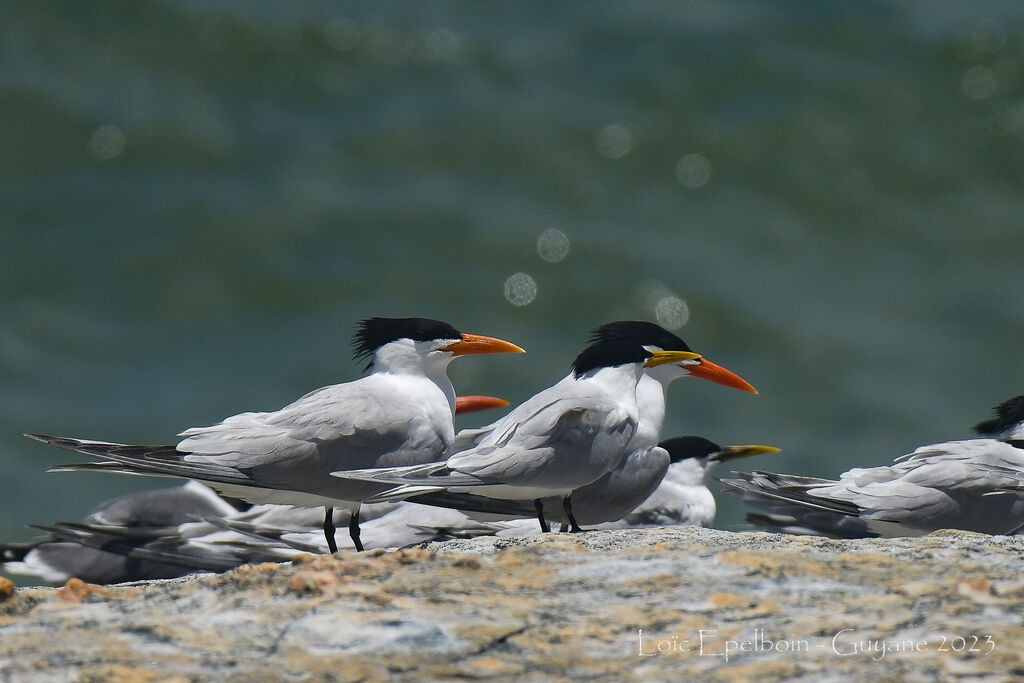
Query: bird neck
x: 650, y: 404
x: 616, y: 377
x: 688, y: 472
x: 1014, y: 433
x: 681, y: 498
x: 401, y: 358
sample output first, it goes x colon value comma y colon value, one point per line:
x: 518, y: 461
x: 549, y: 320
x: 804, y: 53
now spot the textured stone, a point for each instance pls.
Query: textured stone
x: 710, y: 604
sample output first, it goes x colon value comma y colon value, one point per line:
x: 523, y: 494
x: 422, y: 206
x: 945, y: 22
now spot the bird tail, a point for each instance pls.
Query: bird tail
x: 165, y: 461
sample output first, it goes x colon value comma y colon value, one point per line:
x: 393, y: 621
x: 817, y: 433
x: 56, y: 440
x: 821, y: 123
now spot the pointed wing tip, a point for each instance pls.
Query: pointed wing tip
x: 400, y: 493
x: 44, y: 438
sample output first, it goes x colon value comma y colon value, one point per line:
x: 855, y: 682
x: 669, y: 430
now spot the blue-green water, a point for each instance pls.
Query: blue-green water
x: 199, y: 199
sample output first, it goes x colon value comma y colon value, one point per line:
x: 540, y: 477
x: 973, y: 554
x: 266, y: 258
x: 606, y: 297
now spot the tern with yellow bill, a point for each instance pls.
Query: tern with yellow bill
x: 569, y: 435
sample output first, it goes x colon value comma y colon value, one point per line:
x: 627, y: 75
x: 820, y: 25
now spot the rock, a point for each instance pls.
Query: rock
x: 670, y: 603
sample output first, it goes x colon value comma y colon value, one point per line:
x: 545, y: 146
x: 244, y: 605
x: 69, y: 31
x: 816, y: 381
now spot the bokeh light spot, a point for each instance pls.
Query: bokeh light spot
x: 553, y: 245
x: 520, y: 289
x: 671, y: 312
x: 614, y: 141
x: 108, y: 142
x: 666, y: 306
x: 1009, y: 119
x: 693, y: 171
x: 979, y: 82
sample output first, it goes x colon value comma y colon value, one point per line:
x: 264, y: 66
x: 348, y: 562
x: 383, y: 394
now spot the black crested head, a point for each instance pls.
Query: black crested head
x: 1016, y: 443
x: 608, y: 354
x: 640, y: 332
x: 682, y: 447
x: 1009, y: 414
x: 373, y: 333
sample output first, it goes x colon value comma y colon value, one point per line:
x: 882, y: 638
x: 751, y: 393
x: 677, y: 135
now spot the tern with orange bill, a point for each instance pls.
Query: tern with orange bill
x: 171, y: 532
x: 401, y: 413
x: 570, y: 434
x: 640, y: 472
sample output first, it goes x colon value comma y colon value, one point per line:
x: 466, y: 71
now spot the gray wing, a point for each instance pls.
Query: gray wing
x: 468, y: 502
x: 371, y: 422
x: 525, y: 453
x: 158, y: 460
x: 551, y: 448
x: 57, y: 561
x: 808, y: 523
x: 499, y: 429
x: 134, y: 520
x: 161, y: 508
x: 141, y: 557
x: 375, y: 421
x: 617, y: 493
x: 608, y: 499
x: 789, y: 504
x: 937, y: 487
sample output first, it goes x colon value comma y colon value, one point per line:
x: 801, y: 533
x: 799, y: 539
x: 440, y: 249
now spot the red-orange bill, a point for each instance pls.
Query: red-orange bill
x: 475, y: 343
x: 705, y: 369
x: 471, y: 404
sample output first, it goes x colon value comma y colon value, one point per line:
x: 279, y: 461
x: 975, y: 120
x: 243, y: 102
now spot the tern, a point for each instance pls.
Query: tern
x: 399, y: 414
x: 682, y: 497
x: 659, y: 486
x: 104, y: 552
x: 644, y: 464
x: 55, y: 560
x: 171, y: 532
x: 565, y: 434
x: 956, y: 484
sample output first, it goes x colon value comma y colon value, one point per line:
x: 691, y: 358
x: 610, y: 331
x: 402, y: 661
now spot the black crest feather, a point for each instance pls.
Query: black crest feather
x: 683, y: 447
x: 639, y: 332
x: 608, y: 354
x: 373, y: 333
x: 1009, y: 414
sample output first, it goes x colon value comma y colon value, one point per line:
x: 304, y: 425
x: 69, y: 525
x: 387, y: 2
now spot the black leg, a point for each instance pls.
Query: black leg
x: 567, y: 507
x: 353, y: 529
x: 332, y: 545
x: 538, y: 505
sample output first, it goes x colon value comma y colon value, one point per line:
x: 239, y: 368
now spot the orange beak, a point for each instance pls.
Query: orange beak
x: 474, y: 343
x: 471, y: 404
x: 705, y: 369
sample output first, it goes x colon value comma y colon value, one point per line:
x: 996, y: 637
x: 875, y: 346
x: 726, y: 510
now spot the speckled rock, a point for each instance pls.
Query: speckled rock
x: 638, y: 605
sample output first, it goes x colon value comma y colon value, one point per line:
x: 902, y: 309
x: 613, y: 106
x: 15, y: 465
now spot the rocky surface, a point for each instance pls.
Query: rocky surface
x: 652, y: 604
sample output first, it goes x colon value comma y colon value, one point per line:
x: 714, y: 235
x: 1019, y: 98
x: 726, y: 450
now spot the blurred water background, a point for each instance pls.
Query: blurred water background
x: 199, y: 199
